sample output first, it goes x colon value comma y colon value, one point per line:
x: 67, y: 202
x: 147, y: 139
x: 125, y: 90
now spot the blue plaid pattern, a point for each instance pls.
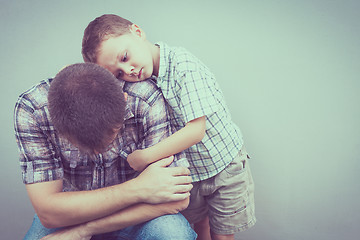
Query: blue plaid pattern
x: 191, y: 91
x: 47, y: 156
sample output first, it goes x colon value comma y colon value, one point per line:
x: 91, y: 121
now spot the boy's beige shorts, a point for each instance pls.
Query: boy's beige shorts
x: 227, y: 198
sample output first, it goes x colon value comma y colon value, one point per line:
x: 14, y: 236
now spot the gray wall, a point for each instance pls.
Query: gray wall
x: 290, y: 72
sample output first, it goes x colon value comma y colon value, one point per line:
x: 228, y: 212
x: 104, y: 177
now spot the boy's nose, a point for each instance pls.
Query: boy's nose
x: 129, y: 70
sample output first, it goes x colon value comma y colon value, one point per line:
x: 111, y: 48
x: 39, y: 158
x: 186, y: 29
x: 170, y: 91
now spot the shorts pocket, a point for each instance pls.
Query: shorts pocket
x: 238, y: 165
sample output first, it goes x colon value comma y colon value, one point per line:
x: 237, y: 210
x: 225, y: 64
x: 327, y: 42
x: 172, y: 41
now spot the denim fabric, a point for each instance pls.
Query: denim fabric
x: 174, y: 227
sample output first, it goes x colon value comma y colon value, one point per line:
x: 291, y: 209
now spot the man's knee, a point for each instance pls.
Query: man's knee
x: 168, y: 227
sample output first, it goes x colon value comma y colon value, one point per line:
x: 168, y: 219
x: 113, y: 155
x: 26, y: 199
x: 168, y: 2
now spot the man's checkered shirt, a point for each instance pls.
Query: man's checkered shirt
x: 47, y: 156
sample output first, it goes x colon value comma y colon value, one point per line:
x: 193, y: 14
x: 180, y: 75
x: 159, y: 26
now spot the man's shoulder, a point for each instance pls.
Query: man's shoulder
x: 36, y: 96
x: 146, y: 91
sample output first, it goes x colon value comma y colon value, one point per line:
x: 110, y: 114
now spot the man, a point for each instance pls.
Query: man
x: 74, y: 134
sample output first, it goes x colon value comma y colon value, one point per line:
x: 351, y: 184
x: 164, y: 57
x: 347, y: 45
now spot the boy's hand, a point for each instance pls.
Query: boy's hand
x: 137, y: 160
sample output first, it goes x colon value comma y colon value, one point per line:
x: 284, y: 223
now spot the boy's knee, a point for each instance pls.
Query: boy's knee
x: 168, y: 227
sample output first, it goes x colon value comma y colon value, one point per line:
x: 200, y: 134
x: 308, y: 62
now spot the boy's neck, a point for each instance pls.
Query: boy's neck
x: 155, y: 50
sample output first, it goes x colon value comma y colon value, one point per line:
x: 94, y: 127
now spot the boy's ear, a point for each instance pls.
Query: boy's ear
x: 135, y: 29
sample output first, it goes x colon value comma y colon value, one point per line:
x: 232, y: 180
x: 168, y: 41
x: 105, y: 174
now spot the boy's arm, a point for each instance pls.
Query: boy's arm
x: 155, y: 185
x: 192, y: 133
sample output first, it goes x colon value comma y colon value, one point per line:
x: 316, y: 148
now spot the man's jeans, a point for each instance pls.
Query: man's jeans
x: 167, y: 227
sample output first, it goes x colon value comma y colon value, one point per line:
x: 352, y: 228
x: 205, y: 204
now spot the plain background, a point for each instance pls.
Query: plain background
x: 290, y: 74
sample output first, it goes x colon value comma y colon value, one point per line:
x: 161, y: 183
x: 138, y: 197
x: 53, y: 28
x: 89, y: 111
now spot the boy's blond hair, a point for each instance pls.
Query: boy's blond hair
x: 100, y: 29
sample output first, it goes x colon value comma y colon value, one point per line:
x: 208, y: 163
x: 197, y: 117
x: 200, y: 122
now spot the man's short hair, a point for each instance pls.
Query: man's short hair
x: 99, y: 30
x: 87, y: 105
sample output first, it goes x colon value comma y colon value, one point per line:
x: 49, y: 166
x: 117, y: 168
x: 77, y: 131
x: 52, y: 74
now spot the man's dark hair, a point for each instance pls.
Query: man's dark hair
x: 87, y: 105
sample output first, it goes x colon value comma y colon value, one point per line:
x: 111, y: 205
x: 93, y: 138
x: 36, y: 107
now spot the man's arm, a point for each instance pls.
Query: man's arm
x: 43, y: 173
x: 155, y: 185
x: 134, y: 215
x: 128, y: 217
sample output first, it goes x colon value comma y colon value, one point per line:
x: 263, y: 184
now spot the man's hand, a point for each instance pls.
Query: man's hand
x: 175, y: 207
x: 137, y: 160
x: 160, y: 184
x: 70, y: 233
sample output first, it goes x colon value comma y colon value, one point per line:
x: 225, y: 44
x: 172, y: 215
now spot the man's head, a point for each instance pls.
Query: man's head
x: 121, y: 47
x: 87, y: 106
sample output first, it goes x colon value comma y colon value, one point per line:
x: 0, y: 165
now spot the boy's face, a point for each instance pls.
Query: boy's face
x: 128, y: 57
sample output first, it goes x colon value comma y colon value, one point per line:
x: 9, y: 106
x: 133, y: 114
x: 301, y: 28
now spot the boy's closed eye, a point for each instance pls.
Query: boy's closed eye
x: 120, y: 74
x: 125, y: 57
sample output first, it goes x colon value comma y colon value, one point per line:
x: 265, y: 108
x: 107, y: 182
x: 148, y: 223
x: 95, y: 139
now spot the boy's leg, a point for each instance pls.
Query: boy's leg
x: 197, y: 211
x: 232, y: 206
x: 202, y: 228
x: 215, y: 236
x: 37, y: 230
x: 227, y: 198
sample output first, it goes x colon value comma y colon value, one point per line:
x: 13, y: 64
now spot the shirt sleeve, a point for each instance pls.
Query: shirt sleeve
x: 198, y: 91
x: 37, y: 156
x: 157, y: 127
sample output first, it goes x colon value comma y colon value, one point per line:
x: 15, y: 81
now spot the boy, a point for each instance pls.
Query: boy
x: 74, y: 133
x: 223, y: 186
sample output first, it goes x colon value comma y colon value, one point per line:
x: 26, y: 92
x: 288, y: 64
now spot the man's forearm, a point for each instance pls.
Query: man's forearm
x: 156, y: 184
x: 131, y: 216
x: 59, y: 209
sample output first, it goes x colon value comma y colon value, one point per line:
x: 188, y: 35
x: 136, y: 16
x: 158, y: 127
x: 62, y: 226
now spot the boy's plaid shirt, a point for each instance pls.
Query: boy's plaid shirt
x: 191, y: 91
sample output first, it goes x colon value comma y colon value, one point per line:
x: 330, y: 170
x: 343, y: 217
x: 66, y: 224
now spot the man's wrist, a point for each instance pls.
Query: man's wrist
x: 137, y: 184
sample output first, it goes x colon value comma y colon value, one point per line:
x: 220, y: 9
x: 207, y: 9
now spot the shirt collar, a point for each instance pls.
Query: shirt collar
x: 163, y: 63
x: 128, y: 112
